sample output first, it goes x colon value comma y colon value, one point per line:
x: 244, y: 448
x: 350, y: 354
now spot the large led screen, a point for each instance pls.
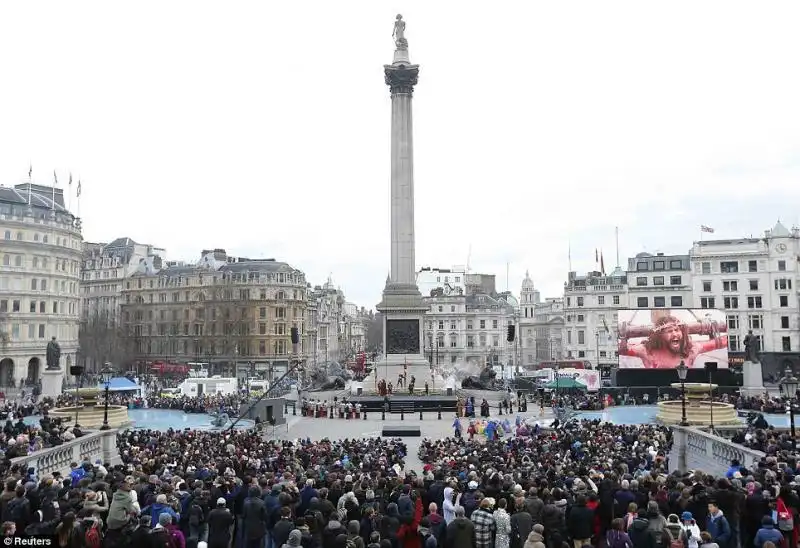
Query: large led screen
x: 662, y: 338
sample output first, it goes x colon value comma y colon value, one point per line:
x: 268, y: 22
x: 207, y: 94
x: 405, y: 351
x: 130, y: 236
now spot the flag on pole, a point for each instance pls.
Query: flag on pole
x: 30, y: 171
x: 70, y: 180
x: 605, y: 325
x: 55, y: 182
x: 78, y: 193
x: 596, y: 258
x: 704, y: 228
x: 602, y: 264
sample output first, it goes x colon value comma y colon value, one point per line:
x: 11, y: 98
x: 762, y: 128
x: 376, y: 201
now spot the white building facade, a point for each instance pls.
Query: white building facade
x: 754, y: 280
x: 540, y: 330
x: 40, y: 261
x: 591, y: 306
x: 449, y: 279
x: 659, y: 281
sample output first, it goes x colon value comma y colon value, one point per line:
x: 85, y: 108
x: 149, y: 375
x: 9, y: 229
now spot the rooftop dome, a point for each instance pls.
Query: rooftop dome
x: 527, y: 283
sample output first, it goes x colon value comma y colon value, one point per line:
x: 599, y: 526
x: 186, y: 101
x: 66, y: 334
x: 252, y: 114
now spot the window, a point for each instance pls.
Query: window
x: 642, y: 266
x: 441, y: 324
x: 659, y: 302
x: 581, y: 353
x: 569, y: 337
x: 440, y: 340
x: 784, y: 322
x: 675, y: 280
x: 783, y: 283
x: 4, y: 305
x: 55, y: 308
x: 452, y: 308
x: 440, y: 308
x: 675, y: 265
x: 483, y: 324
x: 41, y: 331
x: 262, y: 328
x: 469, y: 325
x: 641, y: 302
x: 707, y: 302
x: 658, y: 280
x: 733, y: 342
x: 581, y: 336
x: 707, y: 287
x: 754, y: 302
x: 580, y: 318
x: 755, y: 321
x: 33, y: 307
x: 730, y: 302
x: 18, y: 260
x: 15, y: 306
x: 753, y: 285
x: 658, y: 265
x: 580, y: 301
x: 453, y: 341
x: 31, y: 331
x: 705, y: 268
x: 786, y: 344
x: 43, y: 285
x: 784, y: 301
x: 676, y: 301
x: 615, y: 299
x: 733, y: 322
x: 494, y: 324
x: 729, y: 267
x: 782, y: 266
x: 730, y: 285
x: 280, y: 313
x: 641, y: 281
x: 452, y: 326
x: 752, y: 266
x: 7, y: 235
x: 601, y: 300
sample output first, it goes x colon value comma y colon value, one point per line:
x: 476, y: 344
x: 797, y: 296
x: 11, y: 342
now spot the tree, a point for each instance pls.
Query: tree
x: 103, y: 340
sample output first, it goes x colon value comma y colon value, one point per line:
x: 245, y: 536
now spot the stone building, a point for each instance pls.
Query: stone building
x: 591, y: 305
x: 40, y: 258
x: 754, y: 281
x: 541, y: 326
x: 232, y: 313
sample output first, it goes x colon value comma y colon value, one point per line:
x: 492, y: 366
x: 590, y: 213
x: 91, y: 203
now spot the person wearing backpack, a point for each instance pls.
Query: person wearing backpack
x: 162, y: 537
x: 197, y: 512
x: 92, y: 536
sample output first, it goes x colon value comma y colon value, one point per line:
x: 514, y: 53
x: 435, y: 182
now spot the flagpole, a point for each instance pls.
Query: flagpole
x: 55, y: 182
x: 30, y: 182
x: 69, y: 198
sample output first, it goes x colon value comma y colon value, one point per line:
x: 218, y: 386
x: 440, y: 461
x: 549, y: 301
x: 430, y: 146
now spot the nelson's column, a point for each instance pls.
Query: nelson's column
x: 402, y: 306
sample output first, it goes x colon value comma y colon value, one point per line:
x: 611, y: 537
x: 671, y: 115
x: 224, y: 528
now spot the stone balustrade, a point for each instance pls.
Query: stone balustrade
x: 100, y: 444
x: 695, y: 449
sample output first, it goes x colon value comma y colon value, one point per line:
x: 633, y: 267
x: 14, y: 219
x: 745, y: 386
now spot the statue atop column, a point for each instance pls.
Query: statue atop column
x: 751, y: 348
x: 399, y: 33
x: 53, y: 354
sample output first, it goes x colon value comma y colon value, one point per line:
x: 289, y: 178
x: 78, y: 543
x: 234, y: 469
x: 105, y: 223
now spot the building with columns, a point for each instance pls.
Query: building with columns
x: 541, y: 326
x: 326, y: 324
x: 40, y: 260
x: 591, y: 305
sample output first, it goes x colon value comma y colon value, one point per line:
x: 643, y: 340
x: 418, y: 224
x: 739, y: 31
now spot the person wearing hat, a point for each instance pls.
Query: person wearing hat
x: 220, y: 521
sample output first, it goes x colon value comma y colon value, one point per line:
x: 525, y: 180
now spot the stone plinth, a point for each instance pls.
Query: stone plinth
x: 52, y: 380
x: 752, y: 379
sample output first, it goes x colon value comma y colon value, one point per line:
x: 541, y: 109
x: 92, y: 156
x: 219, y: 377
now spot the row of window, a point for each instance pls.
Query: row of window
x: 216, y: 278
x: 732, y: 267
x: 674, y: 264
x: 38, y: 307
x: 37, y: 331
x: 675, y: 301
x: 482, y: 341
x: 641, y: 281
x: 781, y: 284
x: 58, y: 286
x: 454, y: 324
x: 40, y: 263
x: 207, y: 349
x: 43, y: 238
x: 224, y: 295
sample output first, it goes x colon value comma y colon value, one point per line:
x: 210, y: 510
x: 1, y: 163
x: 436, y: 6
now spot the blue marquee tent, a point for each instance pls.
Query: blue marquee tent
x: 121, y: 384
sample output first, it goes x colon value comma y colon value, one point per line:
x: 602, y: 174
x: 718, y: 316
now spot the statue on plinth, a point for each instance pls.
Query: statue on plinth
x: 399, y: 32
x: 53, y: 355
x: 751, y: 347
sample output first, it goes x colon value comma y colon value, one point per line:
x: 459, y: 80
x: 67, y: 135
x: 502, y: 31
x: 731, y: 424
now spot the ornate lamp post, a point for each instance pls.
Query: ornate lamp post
x: 105, y: 374
x: 788, y: 386
x: 682, y: 372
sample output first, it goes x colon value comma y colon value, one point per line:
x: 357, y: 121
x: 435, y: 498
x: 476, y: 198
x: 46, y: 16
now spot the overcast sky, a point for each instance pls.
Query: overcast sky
x: 263, y: 127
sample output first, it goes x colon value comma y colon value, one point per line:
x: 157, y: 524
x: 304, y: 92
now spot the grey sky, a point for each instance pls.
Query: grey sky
x: 263, y: 127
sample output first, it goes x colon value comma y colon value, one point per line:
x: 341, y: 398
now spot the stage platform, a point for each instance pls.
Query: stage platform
x: 408, y: 404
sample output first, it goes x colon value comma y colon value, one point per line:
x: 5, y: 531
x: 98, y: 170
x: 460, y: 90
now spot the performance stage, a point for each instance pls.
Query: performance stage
x: 408, y: 404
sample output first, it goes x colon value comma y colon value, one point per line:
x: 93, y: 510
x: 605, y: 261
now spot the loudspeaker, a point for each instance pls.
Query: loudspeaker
x: 295, y: 335
x: 76, y: 370
x: 710, y: 367
x: 511, y: 333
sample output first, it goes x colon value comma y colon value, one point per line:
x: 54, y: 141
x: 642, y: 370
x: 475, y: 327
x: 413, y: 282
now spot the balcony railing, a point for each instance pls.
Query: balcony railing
x: 95, y: 445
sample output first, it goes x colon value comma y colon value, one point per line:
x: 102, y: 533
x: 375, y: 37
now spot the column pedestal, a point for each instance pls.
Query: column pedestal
x: 52, y: 380
x: 752, y: 379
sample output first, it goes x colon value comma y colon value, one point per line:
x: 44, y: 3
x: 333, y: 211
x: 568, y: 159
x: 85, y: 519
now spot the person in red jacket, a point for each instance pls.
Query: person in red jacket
x: 408, y: 534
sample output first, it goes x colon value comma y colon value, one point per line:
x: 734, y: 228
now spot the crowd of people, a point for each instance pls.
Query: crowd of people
x: 584, y: 484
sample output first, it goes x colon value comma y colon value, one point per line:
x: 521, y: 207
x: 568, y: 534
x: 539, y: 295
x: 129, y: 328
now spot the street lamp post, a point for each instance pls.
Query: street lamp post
x: 682, y: 372
x: 105, y: 374
x: 788, y: 386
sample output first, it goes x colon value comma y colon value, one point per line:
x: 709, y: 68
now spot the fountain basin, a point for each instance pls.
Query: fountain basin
x: 700, y: 410
x: 89, y: 413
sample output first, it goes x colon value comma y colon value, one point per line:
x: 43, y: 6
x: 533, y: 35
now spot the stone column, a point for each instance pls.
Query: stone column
x: 401, y: 77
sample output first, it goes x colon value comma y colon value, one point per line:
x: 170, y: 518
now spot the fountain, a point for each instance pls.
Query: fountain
x: 89, y: 412
x: 699, y: 409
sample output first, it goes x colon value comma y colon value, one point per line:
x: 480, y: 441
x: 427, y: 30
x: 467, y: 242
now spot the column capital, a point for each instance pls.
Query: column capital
x: 401, y: 78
